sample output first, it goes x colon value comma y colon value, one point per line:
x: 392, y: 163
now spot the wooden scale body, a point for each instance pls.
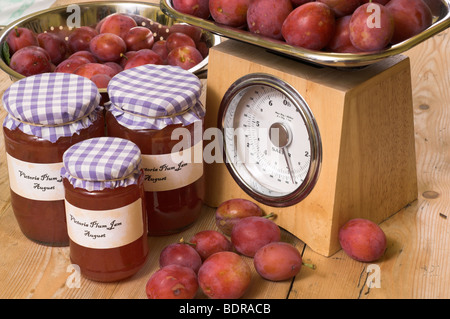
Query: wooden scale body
x: 365, y: 119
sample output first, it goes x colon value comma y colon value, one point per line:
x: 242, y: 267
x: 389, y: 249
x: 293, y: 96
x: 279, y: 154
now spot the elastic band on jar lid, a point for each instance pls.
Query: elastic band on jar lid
x: 103, y: 162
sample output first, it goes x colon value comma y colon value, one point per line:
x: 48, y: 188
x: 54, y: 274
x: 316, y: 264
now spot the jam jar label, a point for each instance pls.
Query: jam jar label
x: 35, y: 181
x: 103, y: 229
x: 175, y: 170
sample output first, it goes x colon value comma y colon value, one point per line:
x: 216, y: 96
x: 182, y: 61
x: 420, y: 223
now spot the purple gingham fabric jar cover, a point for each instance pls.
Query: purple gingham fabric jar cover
x: 40, y: 105
x: 153, y: 96
x: 102, y: 162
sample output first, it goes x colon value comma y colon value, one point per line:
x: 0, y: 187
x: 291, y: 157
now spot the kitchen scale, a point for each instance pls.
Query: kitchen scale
x: 316, y: 145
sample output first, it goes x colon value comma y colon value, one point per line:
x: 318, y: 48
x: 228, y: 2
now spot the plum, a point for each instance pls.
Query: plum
x: 80, y: 38
x: 232, y: 13
x: 126, y: 57
x: 107, y: 47
x: 208, y: 242
x: 141, y: 57
x: 71, y: 64
x: 31, y: 60
x: 37, y: 48
x: 371, y: 27
x: 101, y: 80
x: 180, y: 254
x: 342, y: 7
x: 362, y: 240
x: 277, y: 261
x: 197, y: 8
x: 410, y: 18
x: 160, y: 47
x: 88, y: 70
x: 252, y: 233
x: 203, y: 48
x: 194, y: 32
x: 186, y: 57
x: 266, y: 17
x: 340, y: 42
x: 56, y: 47
x: 172, y: 282
x: 85, y: 54
x: 224, y: 275
x: 231, y: 211
x: 310, y: 26
x: 19, y: 38
x: 178, y: 39
x: 115, y: 66
x: 139, y: 38
x: 118, y: 24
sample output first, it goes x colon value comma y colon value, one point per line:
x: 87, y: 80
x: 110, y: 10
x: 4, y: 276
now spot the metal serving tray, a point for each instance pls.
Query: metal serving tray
x: 441, y: 21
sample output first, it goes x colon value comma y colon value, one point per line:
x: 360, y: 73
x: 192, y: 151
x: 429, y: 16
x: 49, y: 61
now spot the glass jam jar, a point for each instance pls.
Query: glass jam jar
x: 105, y: 208
x: 47, y: 114
x: 158, y: 108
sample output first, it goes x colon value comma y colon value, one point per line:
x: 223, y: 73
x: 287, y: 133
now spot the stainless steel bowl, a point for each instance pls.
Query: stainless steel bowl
x: 441, y: 21
x: 91, y: 13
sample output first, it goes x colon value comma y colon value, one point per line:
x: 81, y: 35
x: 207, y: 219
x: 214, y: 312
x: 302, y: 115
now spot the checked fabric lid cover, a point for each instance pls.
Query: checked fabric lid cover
x: 154, y: 96
x: 51, y: 105
x: 102, y: 162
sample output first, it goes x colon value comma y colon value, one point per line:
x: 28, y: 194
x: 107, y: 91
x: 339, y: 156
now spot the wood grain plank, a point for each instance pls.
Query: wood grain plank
x: 416, y: 263
x: 431, y: 85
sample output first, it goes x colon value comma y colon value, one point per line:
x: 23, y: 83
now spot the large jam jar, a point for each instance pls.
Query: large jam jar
x: 47, y: 113
x: 158, y: 108
x: 105, y: 208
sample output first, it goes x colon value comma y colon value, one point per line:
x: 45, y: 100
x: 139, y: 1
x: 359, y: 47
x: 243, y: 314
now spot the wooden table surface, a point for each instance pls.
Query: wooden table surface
x: 416, y: 263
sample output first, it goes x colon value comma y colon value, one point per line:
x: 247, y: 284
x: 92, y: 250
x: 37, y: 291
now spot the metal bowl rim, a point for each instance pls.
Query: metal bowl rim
x: 4, y: 32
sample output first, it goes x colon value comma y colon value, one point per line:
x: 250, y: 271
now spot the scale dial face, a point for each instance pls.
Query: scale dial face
x: 272, y: 145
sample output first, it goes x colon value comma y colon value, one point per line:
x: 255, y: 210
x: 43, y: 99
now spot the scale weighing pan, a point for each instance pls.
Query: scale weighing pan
x: 441, y: 21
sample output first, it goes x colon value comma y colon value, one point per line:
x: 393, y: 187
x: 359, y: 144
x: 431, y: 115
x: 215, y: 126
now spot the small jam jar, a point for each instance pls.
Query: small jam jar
x: 158, y: 108
x: 47, y: 114
x: 105, y: 208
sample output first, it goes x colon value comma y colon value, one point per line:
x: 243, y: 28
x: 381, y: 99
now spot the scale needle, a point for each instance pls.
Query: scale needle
x: 288, y: 161
x: 280, y: 137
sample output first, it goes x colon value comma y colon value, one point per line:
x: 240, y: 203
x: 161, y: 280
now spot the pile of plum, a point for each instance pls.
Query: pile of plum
x: 340, y: 26
x: 212, y: 260
x: 117, y: 42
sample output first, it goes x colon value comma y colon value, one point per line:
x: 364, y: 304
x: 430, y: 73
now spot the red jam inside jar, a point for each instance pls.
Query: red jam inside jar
x: 148, y: 104
x: 35, y: 145
x: 169, y: 211
x: 107, y: 225
x: 43, y: 221
x: 110, y: 264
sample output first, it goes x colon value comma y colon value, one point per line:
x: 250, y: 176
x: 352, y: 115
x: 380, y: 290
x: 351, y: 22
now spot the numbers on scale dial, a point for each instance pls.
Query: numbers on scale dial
x: 263, y: 163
